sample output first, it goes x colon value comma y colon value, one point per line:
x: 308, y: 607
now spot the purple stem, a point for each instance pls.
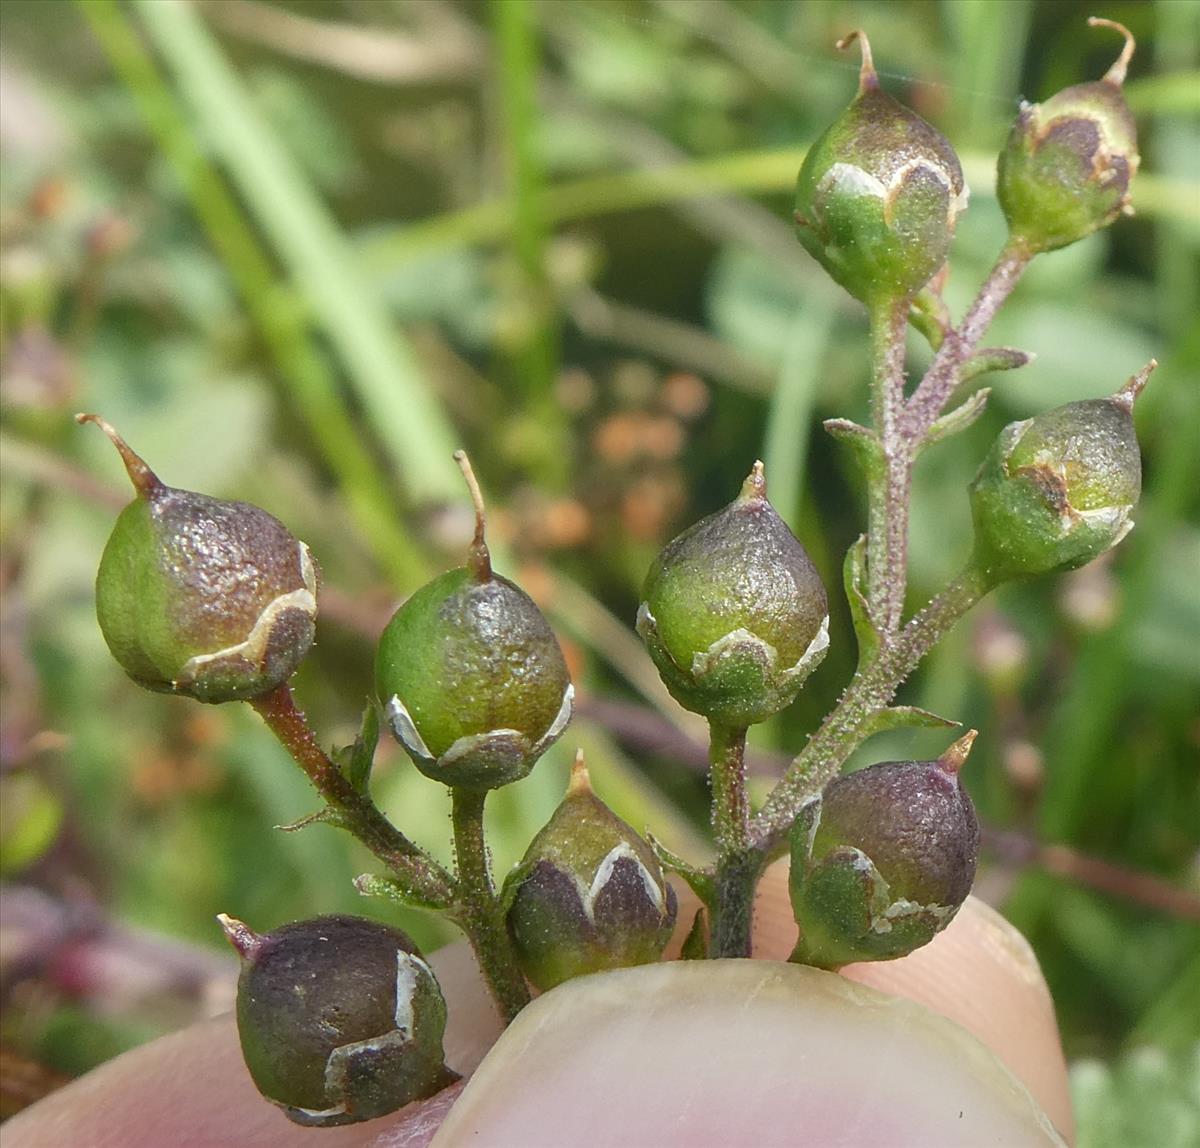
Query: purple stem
x: 942, y: 377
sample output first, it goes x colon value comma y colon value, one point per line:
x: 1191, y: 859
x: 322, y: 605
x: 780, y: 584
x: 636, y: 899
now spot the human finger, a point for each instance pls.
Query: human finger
x: 738, y: 1053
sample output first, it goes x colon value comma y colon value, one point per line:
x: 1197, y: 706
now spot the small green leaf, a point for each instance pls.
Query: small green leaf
x: 355, y: 760
x: 911, y: 717
x: 395, y: 889
x: 695, y: 944
x: 994, y: 359
x: 865, y: 444
x: 930, y: 316
x: 698, y: 881
x: 854, y: 576
x: 326, y: 815
x: 958, y: 419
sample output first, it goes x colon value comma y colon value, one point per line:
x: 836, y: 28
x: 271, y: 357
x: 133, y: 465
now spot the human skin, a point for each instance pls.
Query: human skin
x: 740, y: 1039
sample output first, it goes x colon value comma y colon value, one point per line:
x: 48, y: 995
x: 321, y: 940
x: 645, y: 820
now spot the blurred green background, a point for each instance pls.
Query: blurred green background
x: 298, y: 252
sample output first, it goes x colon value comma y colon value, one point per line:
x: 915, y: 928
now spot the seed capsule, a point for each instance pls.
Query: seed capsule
x: 471, y: 677
x: 1059, y: 489
x: 1068, y: 163
x: 340, y: 1019
x: 734, y: 613
x: 878, y: 194
x: 589, y: 894
x: 882, y: 860
x: 199, y: 596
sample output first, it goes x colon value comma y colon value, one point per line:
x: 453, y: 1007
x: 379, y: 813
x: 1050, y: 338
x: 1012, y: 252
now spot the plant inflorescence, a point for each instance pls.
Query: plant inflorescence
x: 342, y: 1019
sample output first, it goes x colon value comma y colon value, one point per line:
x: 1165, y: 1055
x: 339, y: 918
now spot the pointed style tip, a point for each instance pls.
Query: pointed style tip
x: 955, y: 757
x: 479, y: 559
x: 144, y: 480
x: 581, y: 780
x: 1116, y: 73
x: 868, y: 79
x: 243, y: 938
x: 1130, y: 392
x: 754, y: 488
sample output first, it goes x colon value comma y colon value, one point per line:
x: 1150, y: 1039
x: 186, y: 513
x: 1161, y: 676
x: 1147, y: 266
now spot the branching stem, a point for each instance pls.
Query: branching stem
x: 469, y: 898
x: 869, y: 692
x: 353, y: 809
x: 902, y: 427
x: 939, y: 382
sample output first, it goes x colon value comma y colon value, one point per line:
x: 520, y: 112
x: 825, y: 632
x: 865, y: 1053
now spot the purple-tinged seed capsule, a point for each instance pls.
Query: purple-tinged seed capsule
x: 340, y: 1018
x: 1068, y: 164
x: 878, y: 195
x: 589, y: 894
x: 199, y: 596
x: 470, y: 675
x: 882, y: 860
x: 734, y: 613
x: 1057, y: 490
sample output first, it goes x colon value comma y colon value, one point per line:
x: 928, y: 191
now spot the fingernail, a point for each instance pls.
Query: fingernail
x: 737, y: 1052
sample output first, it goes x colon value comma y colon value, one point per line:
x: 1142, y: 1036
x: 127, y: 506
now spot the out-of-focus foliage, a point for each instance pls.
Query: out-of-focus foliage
x: 295, y: 250
x: 1147, y: 1099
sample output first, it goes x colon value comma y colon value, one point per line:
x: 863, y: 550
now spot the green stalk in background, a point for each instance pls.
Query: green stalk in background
x: 534, y: 362
x: 789, y: 419
x: 386, y: 375
x: 277, y: 313
x: 516, y: 78
x: 759, y: 172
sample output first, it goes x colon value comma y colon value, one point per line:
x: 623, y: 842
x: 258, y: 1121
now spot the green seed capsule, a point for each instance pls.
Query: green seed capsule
x: 734, y: 613
x: 1068, y: 163
x: 882, y: 860
x: 589, y: 894
x: 471, y: 677
x: 1057, y: 490
x: 340, y: 1019
x: 199, y: 596
x: 878, y: 195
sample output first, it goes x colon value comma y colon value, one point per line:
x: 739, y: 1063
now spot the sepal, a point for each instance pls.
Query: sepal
x: 399, y: 891
x: 906, y: 717
x: 355, y: 760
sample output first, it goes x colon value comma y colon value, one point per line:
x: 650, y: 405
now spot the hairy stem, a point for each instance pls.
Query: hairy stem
x: 477, y: 907
x: 730, y: 805
x: 352, y: 808
x: 738, y: 865
x: 902, y: 427
x: 888, y: 491
x: 943, y: 375
x: 470, y: 898
x: 869, y: 692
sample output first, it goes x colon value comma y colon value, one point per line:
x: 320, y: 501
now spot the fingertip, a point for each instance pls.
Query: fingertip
x: 737, y: 1053
x: 980, y: 972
